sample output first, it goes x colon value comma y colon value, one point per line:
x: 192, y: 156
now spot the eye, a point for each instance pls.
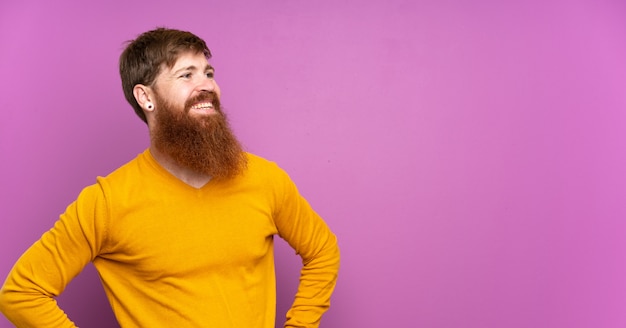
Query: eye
x: 210, y: 74
x: 186, y: 75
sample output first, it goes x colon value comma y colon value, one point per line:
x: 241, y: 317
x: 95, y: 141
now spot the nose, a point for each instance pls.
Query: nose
x: 207, y: 84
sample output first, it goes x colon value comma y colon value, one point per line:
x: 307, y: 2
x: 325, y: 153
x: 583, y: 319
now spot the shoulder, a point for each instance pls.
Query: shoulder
x: 268, y: 174
x: 258, y: 160
x: 263, y: 166
x: 126, y: 175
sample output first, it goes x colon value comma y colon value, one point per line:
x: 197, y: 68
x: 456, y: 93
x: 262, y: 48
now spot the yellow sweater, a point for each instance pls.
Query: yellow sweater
x: 170, y: 255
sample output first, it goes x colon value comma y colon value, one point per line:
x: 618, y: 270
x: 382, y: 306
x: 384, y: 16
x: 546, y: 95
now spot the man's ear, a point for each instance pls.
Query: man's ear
x: 143, y: 95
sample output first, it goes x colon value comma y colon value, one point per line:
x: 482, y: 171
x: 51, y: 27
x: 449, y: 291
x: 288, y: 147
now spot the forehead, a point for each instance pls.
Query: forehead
x: 189, y: 59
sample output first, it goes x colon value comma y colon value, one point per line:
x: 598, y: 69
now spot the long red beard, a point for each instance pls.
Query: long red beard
x: 203, y: 144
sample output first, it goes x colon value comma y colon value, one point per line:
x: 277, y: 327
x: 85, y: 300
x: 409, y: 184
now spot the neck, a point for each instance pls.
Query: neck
x: 184, y: 174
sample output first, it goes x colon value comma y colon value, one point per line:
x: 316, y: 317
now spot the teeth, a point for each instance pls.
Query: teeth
x: 203, y: 106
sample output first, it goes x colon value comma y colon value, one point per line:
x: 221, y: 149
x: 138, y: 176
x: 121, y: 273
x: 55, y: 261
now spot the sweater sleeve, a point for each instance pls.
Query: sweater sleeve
x: 27, y: 297
x: 312, y: 239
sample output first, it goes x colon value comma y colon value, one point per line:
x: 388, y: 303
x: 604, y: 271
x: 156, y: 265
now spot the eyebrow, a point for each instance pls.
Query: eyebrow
x: 193, y: 68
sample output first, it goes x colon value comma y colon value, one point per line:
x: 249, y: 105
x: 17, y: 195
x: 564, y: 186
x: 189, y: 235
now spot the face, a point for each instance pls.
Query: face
x: 189, y: 86
x: 189, y: 125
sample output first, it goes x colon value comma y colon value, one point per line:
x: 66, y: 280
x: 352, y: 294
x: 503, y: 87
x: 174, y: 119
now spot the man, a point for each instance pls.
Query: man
x: 182, y: 235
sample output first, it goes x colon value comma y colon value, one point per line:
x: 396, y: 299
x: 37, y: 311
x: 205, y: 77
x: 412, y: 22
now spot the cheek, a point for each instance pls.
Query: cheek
x: 217, y: 90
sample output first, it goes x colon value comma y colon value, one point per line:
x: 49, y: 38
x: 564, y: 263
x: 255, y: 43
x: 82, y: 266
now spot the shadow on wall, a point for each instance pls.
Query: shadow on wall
x: 85, y: 302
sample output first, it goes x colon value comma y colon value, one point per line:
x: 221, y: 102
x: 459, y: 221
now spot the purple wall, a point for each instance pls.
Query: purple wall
x: 470, y: 155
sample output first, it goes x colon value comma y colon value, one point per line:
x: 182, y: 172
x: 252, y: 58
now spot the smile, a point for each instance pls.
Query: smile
x: 203, y: 106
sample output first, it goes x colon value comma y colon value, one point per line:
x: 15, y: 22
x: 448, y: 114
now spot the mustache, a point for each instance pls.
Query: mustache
x: 204, y: 96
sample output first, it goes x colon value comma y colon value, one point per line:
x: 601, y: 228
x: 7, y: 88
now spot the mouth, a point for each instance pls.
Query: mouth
x: 205, y: 107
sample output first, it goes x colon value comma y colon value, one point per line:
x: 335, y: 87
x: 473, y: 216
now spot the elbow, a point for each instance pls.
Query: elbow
x: 4, y: 301
x: 11, y: 301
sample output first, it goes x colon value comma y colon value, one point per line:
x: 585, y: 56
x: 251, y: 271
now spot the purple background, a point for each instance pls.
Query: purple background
x: 470, y: 155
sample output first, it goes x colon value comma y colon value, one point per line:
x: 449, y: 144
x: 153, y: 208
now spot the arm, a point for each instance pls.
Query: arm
x: 311, y: 238
x: 43, y: 271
